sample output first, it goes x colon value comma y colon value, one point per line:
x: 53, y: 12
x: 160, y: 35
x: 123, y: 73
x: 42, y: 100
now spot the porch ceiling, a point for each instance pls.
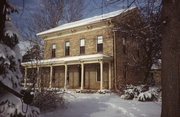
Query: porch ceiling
x: 93, y: 58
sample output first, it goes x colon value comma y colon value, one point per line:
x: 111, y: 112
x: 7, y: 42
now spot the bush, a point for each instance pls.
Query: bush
x: 48, y: 100
x: 146, y: 96
x: 141, y: 93
x: 132, y: 92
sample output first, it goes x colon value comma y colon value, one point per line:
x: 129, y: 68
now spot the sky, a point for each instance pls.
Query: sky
x: 28, y: 7
x: 92, y: 8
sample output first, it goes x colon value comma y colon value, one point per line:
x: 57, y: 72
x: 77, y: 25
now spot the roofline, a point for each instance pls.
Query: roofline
x: 96, y: 21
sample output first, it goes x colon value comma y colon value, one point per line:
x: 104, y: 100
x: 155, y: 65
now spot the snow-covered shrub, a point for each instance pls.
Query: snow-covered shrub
x: 48, y: 100
x: 133, y: 91
x: 141, y: 93
x: 146, y: 96
x: 152, y: 94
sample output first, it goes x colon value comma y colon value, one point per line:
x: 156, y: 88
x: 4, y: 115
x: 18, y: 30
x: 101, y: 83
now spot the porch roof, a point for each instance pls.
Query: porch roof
x: 69, y: 60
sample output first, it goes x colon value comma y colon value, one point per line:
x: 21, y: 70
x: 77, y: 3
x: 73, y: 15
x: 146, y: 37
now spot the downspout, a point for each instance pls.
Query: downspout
x: 115, y: 62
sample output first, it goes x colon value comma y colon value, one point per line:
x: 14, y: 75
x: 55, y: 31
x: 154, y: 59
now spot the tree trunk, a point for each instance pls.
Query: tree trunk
x: 171, y: 59
x: 2, y: 18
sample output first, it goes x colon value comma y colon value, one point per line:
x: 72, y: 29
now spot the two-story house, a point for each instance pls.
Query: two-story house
x: 85, y: 54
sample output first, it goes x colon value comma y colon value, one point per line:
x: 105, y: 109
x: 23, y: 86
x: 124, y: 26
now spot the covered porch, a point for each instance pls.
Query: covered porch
x: 78, y: 72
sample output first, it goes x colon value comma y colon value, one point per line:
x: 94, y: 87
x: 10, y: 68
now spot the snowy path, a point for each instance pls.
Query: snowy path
x: 108, y: 105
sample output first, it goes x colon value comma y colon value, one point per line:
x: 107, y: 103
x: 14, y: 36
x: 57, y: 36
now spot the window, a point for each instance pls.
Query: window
x: 124, y: 45
x: 98, y: 73
x: 53, y: 50
x: 125, y: 70
x: 67, y: 48
x: 99, y: 43
x: 82, y: 46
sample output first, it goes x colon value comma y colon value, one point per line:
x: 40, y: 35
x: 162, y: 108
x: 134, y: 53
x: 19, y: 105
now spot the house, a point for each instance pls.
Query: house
x: 85, y: 54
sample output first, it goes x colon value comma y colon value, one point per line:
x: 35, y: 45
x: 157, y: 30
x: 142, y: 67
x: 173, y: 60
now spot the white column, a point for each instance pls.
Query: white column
x: 82, y: 76
x: 25, y: 78
x: 110, y: 76
x: 38, y: 77
x: 65, y: 77
x: 101, y: 75
x: 51, y: 73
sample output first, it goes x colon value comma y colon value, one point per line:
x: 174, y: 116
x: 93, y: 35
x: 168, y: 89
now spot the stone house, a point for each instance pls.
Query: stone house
x: 85, y: 54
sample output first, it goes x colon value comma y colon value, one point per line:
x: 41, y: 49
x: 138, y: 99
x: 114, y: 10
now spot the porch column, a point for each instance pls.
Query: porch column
x: 110, y: 76
x: 25, y: 78
x: 38, y: 77
x: 65, y: 77
x: 82, y: 76
x: 51, y: 72
x: 101, y: 74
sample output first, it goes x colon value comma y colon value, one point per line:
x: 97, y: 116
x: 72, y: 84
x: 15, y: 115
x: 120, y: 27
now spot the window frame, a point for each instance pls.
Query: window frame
x: 81, y: 52
x: 53, y: 50
x: 124, y: 45
x: 67, y: 52
x: 99, y: 44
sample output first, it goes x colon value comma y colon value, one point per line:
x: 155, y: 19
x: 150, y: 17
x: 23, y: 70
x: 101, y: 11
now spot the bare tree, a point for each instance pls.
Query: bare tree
x: 55, y: 12
x: 141, y: 38
x: 170, y: 57
x: 73, y: 10
x: 48, y: 15
x: 51, y: 14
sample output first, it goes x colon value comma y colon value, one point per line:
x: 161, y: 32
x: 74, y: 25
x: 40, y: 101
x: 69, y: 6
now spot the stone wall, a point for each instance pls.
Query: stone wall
x: 90, y: 43
x: 125, y: 73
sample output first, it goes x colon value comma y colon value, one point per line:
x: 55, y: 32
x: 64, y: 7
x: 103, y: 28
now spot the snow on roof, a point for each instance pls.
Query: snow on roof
x: 68, y: 59
x: 86, y: 21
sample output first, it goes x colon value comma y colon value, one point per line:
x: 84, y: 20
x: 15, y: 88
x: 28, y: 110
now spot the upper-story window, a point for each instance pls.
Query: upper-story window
x: 100, y: 43
x: 67, y: 48
x: 124, y: 45
x: 53, y: 50
x: 82, y: 46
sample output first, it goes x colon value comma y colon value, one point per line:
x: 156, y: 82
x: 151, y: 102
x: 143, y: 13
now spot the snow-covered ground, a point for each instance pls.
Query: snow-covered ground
x: 104, y: 105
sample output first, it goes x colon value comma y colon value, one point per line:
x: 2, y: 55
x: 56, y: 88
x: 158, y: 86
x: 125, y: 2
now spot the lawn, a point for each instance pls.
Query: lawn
x: 104, y: 105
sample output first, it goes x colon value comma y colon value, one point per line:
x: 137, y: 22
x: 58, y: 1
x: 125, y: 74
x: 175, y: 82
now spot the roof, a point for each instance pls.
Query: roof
x: 68, y: 59
x: 86, y: 21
